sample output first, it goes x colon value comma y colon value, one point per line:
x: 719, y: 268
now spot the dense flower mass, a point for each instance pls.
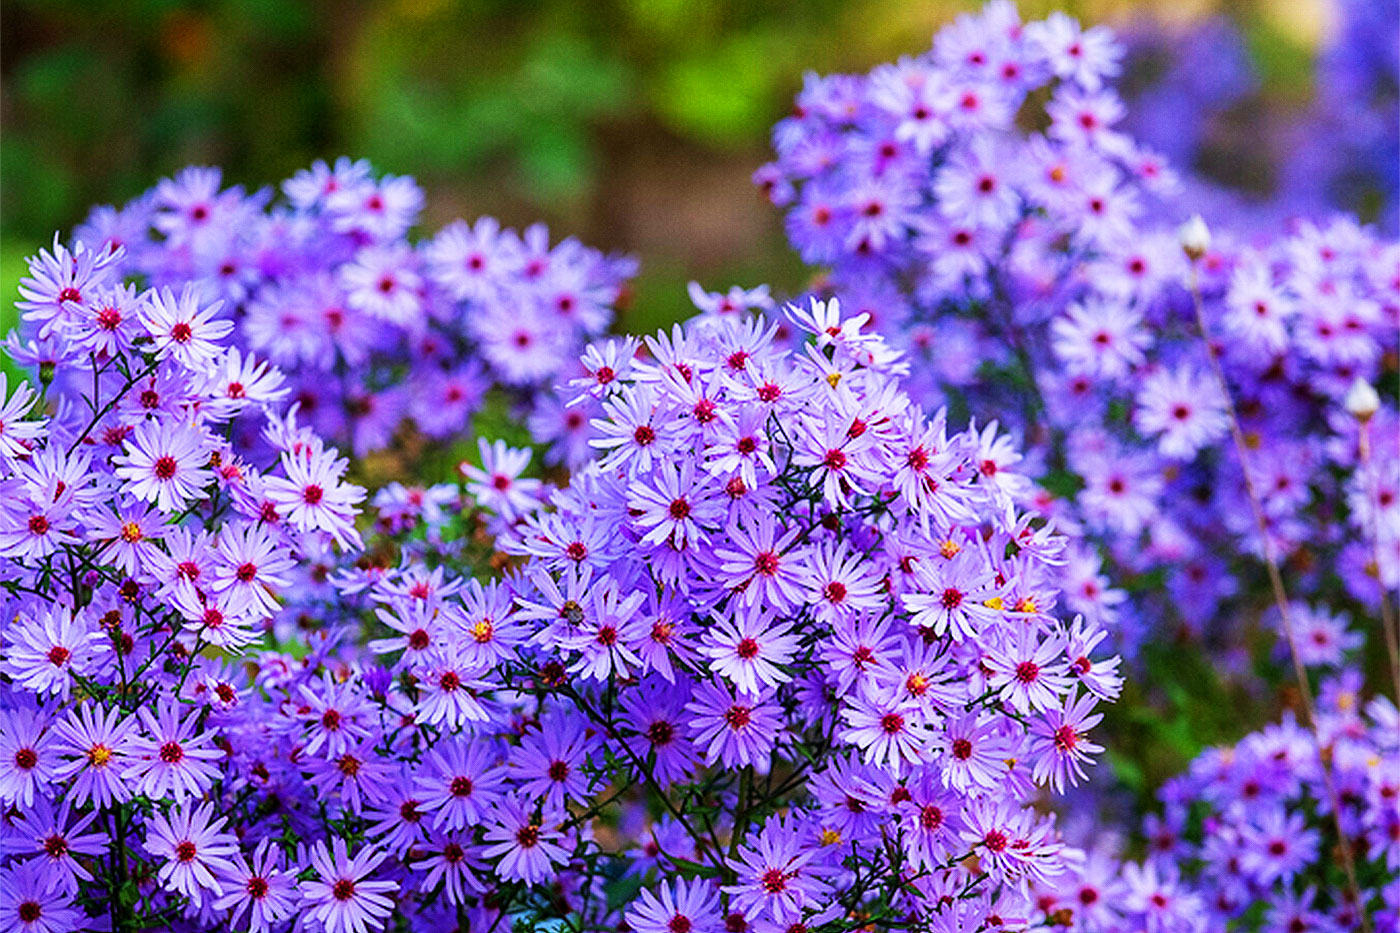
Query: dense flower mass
x: 781, y: 647
x: 1248, y: 834
x: 780, y: 610
x: 1040, y: 275
x: 369, y: 328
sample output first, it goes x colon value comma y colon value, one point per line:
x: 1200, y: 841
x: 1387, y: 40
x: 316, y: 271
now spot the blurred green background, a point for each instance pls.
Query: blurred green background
x: 634, y: 124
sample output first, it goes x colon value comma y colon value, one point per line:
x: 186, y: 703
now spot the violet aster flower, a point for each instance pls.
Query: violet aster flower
x: 129, y: 536
x: 890, y: 732
x: 333, y: 715
x: 383, y: 282
x: 166, y: 464
x: 1182, y: 410
x: 1059, y: 749
x: 96, y: 745
x: 452, y: 867
x: 1028, y: 670
x: 60, y: 282
x: 192, y: 846
x: 30, y: 903
x: 313, y: 497
x: 57, y: 839
x: 28, y: 756
x: 169, y: 755
x: 218, y: 618
x: 251, y: 563
x: 637, y: 429
x: 50, y: 649
x: 748, y: 648
x: 258, y: 889
x: 759, y: 564
x: 32, y: 527
x: 345, y: 898
x: 840, y: 585
x: 16, y: 433
x: 497, y: 483
x: 738, y: 730
x: 524, y: 841
x: 1277, y: 846
x: 973, y: 754
x: 656, y: 716
x: 774, y: 879
x: 549, y: 764
x: 680, y: 508
x: 958, y: 596
x: 692, y: 906
x: 182, y: 330
x: 462, y: 786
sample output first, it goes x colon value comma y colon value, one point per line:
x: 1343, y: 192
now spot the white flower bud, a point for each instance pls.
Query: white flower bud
x: 1194, y: 237
x: 1361, y: 400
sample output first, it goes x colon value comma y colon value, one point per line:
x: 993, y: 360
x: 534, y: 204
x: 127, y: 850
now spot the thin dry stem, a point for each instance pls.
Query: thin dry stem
x: 1388, y: 626
x: 1281, y: 601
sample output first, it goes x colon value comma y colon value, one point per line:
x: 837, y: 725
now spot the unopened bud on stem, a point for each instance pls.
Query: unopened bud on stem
x: 1361, y: 400
x: 1194, y: 237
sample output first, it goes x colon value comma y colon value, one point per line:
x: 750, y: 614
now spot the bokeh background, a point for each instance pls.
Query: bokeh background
x: 634, y: 124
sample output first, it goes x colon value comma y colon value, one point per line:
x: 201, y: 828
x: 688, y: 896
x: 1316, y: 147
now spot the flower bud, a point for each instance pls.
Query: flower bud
x: 1361, y: 400
x: 1194, y: 237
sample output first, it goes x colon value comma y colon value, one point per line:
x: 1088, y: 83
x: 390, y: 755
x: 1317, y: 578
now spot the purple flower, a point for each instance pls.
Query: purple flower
x: 169, y: 756
x: 192, y: 847
x: 775, y: 875
x: 258, y: 888
x: 166, y: 464
x: 345, y: 898
x: 688, y: 907
x: 182, y: 330
x: 760, y: 564
x: 313, y: 497
x: 525, y: 841
x: 1182, y: 410
x: 30, y: 903
x: 1058, y: 748
x: 737, y: 731
x: 16, y: 434
x: 890, y: 732
x: 497, y: 483
x: 96, y: 745
x: 549, y: 764
x: 47, y: 832
x: 461, y: 786
x: 748, y: 649
x: 50, y: 649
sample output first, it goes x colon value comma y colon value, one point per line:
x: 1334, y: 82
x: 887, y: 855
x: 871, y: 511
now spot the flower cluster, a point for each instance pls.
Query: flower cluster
x: 783, y: 651
x: 1249, y: 831
x: 1040, y: 275
x: 142, y: 549
x: 369, y: 327
x: 803, y: 606
x: 786, y: 652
